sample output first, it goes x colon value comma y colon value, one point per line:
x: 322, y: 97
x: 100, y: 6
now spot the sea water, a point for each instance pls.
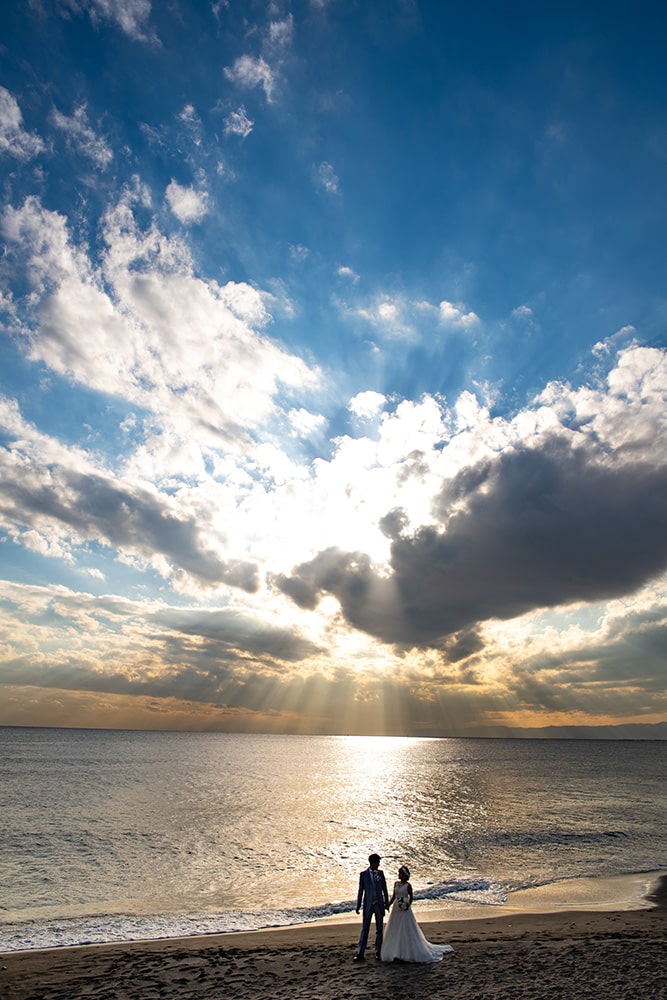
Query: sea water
x: 108, y: 836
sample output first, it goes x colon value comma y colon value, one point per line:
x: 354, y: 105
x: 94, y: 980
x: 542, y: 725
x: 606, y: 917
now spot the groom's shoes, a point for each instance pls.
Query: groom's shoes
x: 358, y: 958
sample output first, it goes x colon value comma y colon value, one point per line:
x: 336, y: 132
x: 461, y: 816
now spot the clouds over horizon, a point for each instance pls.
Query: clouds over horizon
x: 466, y: 517
x: 315, y: 411
x: 573, y: 483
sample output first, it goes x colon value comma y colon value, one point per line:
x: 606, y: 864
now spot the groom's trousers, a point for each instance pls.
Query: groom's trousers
x: 375, y: 910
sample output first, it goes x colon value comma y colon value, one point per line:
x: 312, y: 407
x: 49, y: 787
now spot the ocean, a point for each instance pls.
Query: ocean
x: 116, y: 836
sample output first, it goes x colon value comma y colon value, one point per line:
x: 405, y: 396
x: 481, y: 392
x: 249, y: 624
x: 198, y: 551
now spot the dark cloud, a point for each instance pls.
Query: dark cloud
x: 190, y: 654
x: 531, y: 529
x: 394, y: 523
x: 222, y: 635
x: 462, y: 645
x: 129, y: 518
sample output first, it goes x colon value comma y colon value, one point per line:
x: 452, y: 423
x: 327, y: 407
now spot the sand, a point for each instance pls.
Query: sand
x: 517, y: 956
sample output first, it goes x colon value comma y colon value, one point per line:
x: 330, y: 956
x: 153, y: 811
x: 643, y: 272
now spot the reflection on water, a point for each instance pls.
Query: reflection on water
x: 219, y: 822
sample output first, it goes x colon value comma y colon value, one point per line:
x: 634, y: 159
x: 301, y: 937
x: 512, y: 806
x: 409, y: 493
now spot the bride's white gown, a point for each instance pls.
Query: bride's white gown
x: 403, y: 938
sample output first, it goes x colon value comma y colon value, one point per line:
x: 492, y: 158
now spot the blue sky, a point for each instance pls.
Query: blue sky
x: 332, y: 371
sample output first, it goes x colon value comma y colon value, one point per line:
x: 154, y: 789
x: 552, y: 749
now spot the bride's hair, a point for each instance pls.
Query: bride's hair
x: 404, y: 872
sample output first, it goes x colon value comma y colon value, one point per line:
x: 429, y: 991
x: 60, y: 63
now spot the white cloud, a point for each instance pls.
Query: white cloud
x: 95, y: 573
x: 396, y: 317
x: 299, y: 252
x: 14, y: 140
x: 305, y: 423
x: 189, y: 116
x: 281, y: 32
x: 390, y: 316
x: 187, y: 204
x: 367, y: 404
x: 130, y: 15
x: 626, y: 335
x: 525, y: 316
x: 145, y: 329
x: 192, y: 125
x: 81, y: 136
x: 347, y: 272
x: 238, y: 123
x: 44, y: 542
x: 327, y: 178
x: 248, y: 71
x: 469, y: 412
x: 453, y: 315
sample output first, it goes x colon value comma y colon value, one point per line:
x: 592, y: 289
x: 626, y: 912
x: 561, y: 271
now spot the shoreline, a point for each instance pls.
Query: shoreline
x: 525, y: 955
x: 69, y: 930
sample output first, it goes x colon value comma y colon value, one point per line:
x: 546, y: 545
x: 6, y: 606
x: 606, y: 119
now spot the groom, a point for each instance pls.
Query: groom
x: 373, y: 893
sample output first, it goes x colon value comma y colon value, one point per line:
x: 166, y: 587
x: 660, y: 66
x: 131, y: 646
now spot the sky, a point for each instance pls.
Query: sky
x: 333, y: 365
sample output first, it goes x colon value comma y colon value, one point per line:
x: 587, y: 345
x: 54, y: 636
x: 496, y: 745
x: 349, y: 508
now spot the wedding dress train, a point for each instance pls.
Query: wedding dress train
x: 403, y: 939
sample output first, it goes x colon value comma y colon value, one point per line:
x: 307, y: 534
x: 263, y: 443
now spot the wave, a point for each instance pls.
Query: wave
x: 29, y: 934
x: 63, y: 932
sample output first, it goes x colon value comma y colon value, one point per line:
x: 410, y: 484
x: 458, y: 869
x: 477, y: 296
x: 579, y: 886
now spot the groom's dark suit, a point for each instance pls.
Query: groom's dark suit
x: 375, y: 899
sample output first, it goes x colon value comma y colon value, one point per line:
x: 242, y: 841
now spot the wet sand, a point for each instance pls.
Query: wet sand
x: 517, y: 956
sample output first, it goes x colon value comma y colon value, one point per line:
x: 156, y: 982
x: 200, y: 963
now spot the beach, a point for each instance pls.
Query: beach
x: 518, y: 956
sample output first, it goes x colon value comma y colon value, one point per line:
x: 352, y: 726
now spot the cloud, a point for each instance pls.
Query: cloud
x: 218, y: 656
x: 453, y: 315
x: 395, y: 316
x: 629, y: 648
x: 305, y: 423
x: 299, y: 252
x: 347, y: 272
x: 550, y: 520
x: 238, y: 123
x: 439, y: 524
x: 264, y: 70
x: 328, y: 179
x: 81, y: 136
x: 189, y: 351
x: 14, y: 140
x: 611, y: 345
x: 130, y: 15
x: 191, y: 125
x: 389, y: 315
x: 367, y: 404
x: 281, y: 33
x: 65, y: 499
x: 613, y: 668
x: 187, y: 204
x: 249, y: 72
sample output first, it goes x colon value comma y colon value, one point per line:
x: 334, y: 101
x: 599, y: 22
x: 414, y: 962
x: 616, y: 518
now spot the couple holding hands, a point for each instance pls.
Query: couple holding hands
x: 403, y: 940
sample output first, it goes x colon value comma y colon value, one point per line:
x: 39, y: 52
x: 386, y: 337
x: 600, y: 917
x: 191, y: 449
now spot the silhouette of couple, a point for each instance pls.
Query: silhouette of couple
x: 404, y: 940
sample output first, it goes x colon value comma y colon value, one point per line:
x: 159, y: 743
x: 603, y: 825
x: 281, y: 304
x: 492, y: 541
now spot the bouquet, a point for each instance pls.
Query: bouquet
x: 403, y: 902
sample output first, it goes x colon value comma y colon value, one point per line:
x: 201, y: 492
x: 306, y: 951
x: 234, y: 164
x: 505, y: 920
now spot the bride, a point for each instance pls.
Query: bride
x: 403, y: 940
